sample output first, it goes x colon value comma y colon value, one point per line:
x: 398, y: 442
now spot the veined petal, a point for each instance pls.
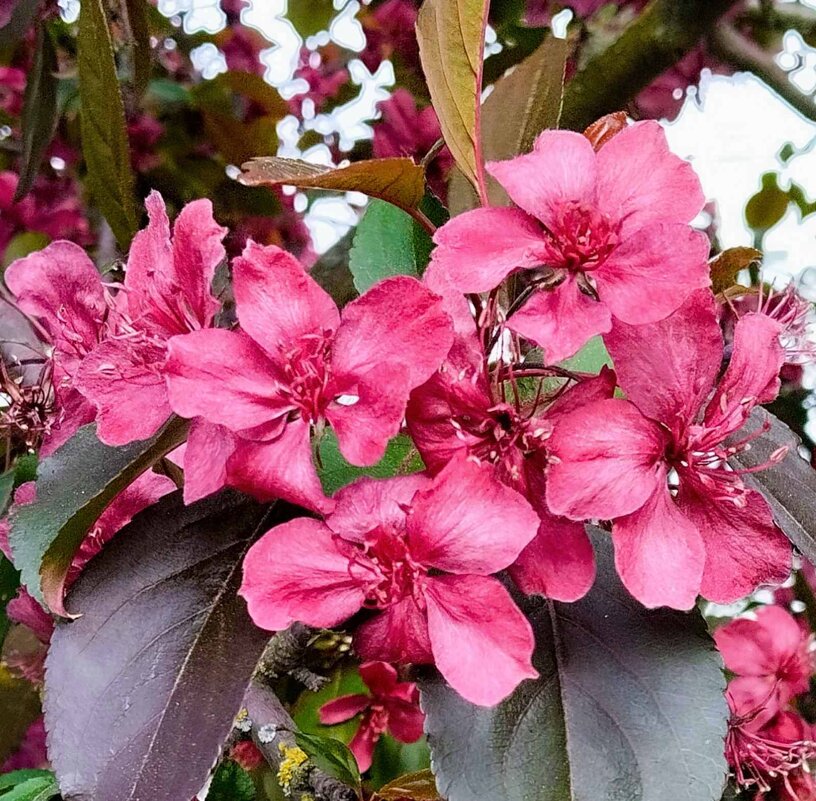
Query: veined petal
x: 296, y: 572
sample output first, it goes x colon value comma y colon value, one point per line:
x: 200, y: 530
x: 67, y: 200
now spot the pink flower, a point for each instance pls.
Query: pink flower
x: 418, y: 553
x: 298, y: 364
x: 601, y: 235
x: 657, y: 462
x: 31, y: 754
x: 460, y: 410
x: 406, y: 130
x: 326, y: 74
x: 771, y: 657
x: 393, y: 706
x: 166, y: 293
x: 390, y: 31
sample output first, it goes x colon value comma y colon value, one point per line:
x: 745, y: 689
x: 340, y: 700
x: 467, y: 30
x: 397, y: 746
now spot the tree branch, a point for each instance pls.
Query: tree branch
x: 272, y: 727
x: 656, y: 40
x: 731, y: 46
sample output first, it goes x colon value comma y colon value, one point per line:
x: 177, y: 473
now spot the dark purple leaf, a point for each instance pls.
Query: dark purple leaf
x: 142, y: 690
x: 789, y: 486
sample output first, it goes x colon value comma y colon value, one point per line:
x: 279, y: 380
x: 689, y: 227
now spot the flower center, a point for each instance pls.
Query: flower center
x: 581, y: 238
x: 307, y: 375
x: 391, y: 574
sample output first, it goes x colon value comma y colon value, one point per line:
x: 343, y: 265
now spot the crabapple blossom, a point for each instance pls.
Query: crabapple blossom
x: 299, y: 364
x: 418, y: 553
x: 684, y: 522
x: 597, y: 235
x: 392, y: 706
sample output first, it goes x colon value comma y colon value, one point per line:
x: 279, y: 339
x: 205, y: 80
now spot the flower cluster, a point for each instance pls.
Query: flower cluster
x: 769, y: 743
x: 520, y: 449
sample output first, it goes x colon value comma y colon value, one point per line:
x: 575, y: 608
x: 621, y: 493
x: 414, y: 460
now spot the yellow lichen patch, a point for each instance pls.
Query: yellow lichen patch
x: 291, y: 767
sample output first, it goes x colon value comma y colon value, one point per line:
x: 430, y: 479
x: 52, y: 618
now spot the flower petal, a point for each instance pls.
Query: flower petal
x: 369, y: 338
x: 296, y: 572
x: 560, y: 169
x: 667, y: 369
x: 60, y: 286
x: 278, y: 302
x: 209, y: 447
x: 369, y: 503
x: 605, y: 461
x: 651, y: 273
x: 561, y: 320
x: 125, y: 382
x: 279, y: 468
x: 342, y: 709
x: 744, y: 548
x: 752, y: 376
x: 640, y: 181
x: 452, y: 525
x: 477, y: 250
x: 405, y: 721
x: 659, y: 553
x: 397, y: 634
x: 473, y: 622
x: 224, y: 377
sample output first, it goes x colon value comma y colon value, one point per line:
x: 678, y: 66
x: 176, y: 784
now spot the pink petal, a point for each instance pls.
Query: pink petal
x: 370, y: 503
x: 452, y: 525
x: 208, y: 450
x: 756, y: 697
x: 560, y: 169
x: 75, y: 411
x: 25, y: 610
x: 397, y: 634
x: 558, y: 563
x: 405, y: 722
x: 744, y: 548
x: 296, y: 572
x: 374, y: 417
x: 459, y: 388
x: 561, y: 320
x: 369, y: 339
x: 455, y: 304
x: 379, y: 677
x: 280, y: 468
x: 588, y: 390
x: 473, y: 623
x: 641, y: 182
x: 363, y: 743
x: 762, y: 646
x: 277, y: 301
x: 667, y: 369
x: 651, y: 273
x: 61, y: 287
x: 752, y: 376
x: 659, y: 553
x: 125, y: 381
x: 477, y: 250
x: 342, y: 709
x: 224, y: 377
x: 606, y: 461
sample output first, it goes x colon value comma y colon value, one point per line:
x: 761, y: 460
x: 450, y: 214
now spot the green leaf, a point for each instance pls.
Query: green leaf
x: 310, y: 16
x: 451, y: 44
x: 19, y: 708
x: 523, y: 103
x: 22, y: 244
x: 331, y: 756
x: 387, y: 242
x: 230, y: 783
x: 19, y: 776
x: 138, y: 31
x: 36, y: 788
x: 629, y: 705
x: 103, y: 126
x: 419, y: 786
x: 591, y: 358
x: 401, y: 458
x: 40, y: 111
x: 9, y: 582
x: 74, y: 486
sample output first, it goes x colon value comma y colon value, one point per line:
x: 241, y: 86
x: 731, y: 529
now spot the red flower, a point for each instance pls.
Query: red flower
x: 297, y: 364
x: 419, y: 552
x: 685, y: 523
x: 392, y: 706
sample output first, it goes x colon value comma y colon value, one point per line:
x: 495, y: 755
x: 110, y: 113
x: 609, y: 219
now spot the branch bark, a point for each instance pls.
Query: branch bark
x: 656, y: 40
x: 739, y: 51
x: 272, y: 726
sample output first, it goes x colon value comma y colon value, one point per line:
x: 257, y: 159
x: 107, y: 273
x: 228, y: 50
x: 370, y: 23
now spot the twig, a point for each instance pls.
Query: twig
x: 285, y: 656
x: 731, y: 46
